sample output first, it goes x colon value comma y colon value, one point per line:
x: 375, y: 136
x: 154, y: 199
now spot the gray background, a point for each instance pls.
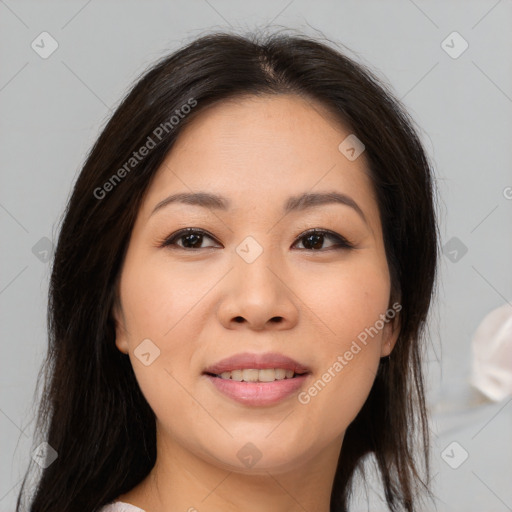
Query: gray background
x: 52, y: 110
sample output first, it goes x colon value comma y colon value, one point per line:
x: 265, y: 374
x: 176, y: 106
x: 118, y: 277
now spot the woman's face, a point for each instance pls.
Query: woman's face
x: 250, y: 279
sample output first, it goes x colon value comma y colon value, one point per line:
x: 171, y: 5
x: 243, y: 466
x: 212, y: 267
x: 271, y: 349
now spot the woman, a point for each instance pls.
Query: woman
x: 240, y: 289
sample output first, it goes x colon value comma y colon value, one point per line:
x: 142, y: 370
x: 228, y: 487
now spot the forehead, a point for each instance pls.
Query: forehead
x: 256, y: 150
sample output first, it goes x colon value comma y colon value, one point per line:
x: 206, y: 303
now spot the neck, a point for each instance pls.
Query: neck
x: 182, y: 481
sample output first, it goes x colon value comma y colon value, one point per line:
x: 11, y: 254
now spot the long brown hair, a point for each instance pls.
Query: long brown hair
x: 92, y: 412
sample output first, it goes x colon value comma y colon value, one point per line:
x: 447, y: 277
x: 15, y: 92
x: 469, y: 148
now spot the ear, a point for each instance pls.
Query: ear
x: 120, y: 326
x: 390, y: 335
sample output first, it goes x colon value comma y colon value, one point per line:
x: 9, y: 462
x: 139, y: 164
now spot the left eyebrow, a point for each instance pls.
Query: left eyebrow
x: 294, y: 203
x: 311, y: 200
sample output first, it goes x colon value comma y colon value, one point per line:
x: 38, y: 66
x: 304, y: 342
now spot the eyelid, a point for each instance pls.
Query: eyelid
x: 167, y: 241
x: 342, y: 241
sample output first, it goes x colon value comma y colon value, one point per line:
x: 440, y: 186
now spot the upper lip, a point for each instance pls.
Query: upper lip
x: 247, y: 360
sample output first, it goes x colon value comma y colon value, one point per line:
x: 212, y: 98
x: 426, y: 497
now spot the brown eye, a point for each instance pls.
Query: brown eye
x: 314, y: 240
x: 191, y: 239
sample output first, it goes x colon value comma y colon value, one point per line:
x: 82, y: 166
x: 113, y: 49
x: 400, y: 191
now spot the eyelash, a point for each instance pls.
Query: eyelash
x: 342, y: 242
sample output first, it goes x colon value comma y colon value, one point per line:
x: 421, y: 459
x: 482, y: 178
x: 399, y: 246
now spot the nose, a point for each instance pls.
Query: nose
x: 258, y: 296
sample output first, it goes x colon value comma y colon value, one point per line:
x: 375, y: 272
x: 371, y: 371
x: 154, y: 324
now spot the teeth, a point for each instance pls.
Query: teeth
x: 253, y: 375
x: 250, y: 375
x: 235, y: 375
x: 280, y: 373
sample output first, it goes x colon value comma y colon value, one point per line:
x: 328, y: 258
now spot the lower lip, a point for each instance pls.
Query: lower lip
x: 258, y: 393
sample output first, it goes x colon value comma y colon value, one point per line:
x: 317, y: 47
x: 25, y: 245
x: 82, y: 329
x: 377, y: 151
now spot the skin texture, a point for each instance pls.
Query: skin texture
x: 257, y: 152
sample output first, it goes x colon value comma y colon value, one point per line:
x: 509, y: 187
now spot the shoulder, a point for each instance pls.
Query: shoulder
x: 119, y: 506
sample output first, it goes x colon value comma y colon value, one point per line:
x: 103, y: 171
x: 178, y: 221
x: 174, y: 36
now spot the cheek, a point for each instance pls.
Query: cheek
x: 158, y: 297
x: 347, y: 300
x: 162, y: 305
x: 349, y: 307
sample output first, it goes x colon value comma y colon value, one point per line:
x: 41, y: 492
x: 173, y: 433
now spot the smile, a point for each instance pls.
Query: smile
x: 258, y: 375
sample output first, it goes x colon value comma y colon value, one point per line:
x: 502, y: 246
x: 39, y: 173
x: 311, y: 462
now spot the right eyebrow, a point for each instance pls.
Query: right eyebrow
x: 294, y: 203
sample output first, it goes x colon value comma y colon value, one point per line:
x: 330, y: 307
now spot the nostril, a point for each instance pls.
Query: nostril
x: 239, y: 319
x: 276, y: 319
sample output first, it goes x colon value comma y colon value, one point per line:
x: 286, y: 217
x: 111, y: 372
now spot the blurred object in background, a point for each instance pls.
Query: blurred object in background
x: 491, y: 366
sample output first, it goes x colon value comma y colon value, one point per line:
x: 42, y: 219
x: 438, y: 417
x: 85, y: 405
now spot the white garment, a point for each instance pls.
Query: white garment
x: 120, y: 506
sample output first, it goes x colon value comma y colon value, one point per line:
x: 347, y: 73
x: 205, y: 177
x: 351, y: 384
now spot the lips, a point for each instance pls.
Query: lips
x: 246, y: 361
x: 255, y: 380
